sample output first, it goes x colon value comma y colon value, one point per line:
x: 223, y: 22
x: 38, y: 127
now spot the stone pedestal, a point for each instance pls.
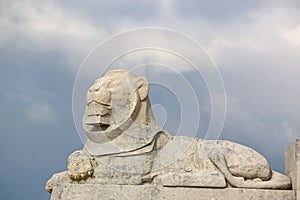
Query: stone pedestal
x: 292, y: 165
x: 136, y: 192
x: 150, y: 192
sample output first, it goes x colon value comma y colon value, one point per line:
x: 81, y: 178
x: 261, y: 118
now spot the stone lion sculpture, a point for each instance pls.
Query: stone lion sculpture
x: 126, y: 146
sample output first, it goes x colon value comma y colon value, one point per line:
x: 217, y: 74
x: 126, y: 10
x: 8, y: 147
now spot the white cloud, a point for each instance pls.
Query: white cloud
x: 258, y: 55
x: 292, y: 35
x: 38, y: 111
x: 42, y: 25
x: 289, y: 131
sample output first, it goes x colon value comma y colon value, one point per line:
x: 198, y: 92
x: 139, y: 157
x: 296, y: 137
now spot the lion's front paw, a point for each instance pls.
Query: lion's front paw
x: 236, y: 181
x: 57, y: 179
x: 80, y: 166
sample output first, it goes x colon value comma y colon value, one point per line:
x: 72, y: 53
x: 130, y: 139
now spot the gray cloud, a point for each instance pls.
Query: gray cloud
x: 260, y: 66
x: 256, y: 44
x: 109, y: 13
x: 215, y: 11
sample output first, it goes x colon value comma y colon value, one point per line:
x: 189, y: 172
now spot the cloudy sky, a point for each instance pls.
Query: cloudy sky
x: 255, y: 44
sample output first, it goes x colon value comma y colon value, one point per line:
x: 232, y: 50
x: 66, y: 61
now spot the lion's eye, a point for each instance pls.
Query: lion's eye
x: 107, y: 84
x: 89, y: 97
x: 110, y: 84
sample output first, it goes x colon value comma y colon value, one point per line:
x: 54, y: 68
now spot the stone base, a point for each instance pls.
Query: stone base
x: 138, y: 192
x: 292, y: 165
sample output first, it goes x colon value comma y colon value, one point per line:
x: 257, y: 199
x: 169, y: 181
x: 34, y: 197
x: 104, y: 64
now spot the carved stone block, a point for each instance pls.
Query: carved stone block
x: 149, y: 192
x: 292, y: 165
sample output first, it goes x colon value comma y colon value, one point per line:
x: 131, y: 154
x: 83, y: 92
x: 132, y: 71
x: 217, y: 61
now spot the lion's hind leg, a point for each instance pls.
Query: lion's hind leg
x: 277, y: 181
x: 218, y: 159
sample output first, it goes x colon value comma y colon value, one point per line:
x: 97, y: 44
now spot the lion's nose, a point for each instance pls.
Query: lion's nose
x: 101, y: 96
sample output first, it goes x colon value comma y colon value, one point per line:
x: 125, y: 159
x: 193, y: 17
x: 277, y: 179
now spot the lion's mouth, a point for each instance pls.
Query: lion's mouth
x: 104, y: 127
x: 97, y: 121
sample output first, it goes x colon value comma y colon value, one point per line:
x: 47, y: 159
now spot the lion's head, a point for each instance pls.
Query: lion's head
x: 113, y: 103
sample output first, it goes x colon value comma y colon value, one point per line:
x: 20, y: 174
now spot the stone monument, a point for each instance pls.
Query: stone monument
x: 129, y: 156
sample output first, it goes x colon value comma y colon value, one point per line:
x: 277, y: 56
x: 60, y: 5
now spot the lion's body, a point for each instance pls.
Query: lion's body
x: 126, y: 146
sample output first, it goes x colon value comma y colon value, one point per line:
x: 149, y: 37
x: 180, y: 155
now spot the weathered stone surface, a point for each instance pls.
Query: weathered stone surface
x: 292, y: 165
x: 149, y: 192
x: 211, y: 179
x: 80, y: 166
x: 126, y: 146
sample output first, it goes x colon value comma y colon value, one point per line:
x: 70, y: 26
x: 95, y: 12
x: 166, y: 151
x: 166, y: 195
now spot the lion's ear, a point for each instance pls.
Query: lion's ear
x: 142, y: 86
